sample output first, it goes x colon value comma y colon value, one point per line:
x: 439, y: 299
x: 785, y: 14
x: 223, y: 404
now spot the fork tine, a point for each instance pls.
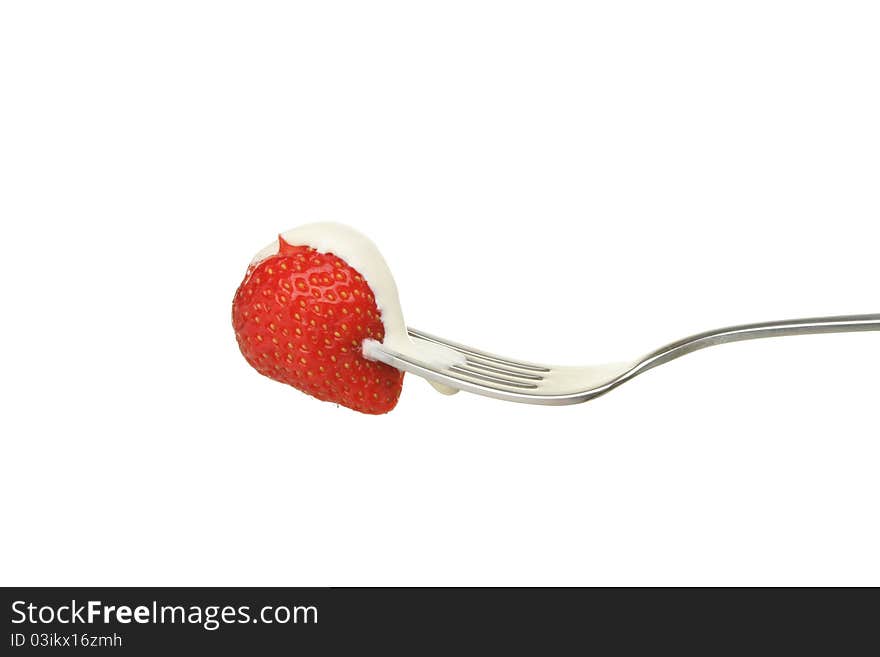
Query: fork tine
x: 476, y: 354
x: 495, y: 380
x: 473, y: 363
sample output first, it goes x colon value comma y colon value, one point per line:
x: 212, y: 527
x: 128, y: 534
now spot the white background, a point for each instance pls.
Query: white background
x: 564, y: 182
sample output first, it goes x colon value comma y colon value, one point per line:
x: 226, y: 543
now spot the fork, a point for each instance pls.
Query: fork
x: 515, y: 380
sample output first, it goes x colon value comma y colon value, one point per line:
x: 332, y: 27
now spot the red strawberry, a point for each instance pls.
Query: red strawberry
x: 301, y: 317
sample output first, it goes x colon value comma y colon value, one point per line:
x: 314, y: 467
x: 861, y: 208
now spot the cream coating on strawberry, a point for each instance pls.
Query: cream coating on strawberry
x: 361, y: 254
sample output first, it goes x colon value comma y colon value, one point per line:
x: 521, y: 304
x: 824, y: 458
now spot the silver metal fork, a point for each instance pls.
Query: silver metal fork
x: 510, y: 379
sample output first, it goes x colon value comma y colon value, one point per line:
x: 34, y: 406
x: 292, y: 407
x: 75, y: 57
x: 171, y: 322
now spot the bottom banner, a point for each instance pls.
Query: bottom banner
x: 415, y: 620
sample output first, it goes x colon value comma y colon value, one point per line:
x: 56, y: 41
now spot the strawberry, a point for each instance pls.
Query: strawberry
x: 301, y: 317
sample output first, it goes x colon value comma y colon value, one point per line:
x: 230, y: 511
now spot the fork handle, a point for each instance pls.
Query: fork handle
x: 808, y: 326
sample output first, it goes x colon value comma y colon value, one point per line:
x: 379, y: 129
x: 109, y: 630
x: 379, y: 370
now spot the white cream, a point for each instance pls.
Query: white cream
x: 360, y: 252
